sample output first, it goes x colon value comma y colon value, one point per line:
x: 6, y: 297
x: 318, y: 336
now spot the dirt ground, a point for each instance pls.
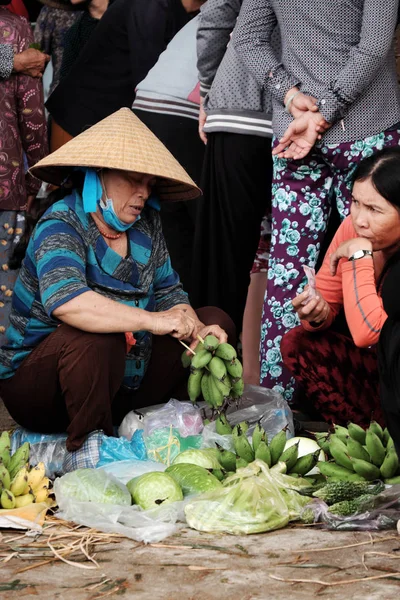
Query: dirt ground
x: 192, y: 566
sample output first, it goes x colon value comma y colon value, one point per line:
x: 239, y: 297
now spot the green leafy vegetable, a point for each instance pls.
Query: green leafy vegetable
x: 193, y: 479
x: 94, y: 485
x: 151, y: 490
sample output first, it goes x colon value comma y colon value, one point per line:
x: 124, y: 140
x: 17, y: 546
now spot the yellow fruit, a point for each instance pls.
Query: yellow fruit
x: 35, y: 475
x: 24, y: 500
x: 41, y: 494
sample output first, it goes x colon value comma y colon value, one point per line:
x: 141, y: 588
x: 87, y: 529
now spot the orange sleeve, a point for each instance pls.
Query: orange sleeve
x: 354, y: 288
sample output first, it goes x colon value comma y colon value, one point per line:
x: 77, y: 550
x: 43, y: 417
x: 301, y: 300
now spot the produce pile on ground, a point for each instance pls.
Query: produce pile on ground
x: 359, y: 455
x: 19, y: 484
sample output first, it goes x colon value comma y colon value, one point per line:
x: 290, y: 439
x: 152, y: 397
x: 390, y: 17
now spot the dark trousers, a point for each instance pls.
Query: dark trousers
x: 338, y: 379
x: 236, y: 185
x: 180, y: 135
x: 72, y: 380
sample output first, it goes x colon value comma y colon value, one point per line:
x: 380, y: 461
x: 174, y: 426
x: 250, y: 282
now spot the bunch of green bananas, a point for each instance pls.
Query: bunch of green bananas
x: 19, y: 485
x: 271, y: 453
x: 359, y: 455
x: 215, y: 372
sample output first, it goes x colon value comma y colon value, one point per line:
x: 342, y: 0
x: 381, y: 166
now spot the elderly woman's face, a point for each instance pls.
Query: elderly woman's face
x: 128, y: 191
x: 374, y: 217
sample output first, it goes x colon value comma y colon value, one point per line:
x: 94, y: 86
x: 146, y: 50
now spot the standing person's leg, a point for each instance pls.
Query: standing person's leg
x: 68, y: 382
x: 339, y: 379
x: 180, y: 135
x: 300, y: 211
x: 251, y: 330
x: 236, y: 187
x: 165, y: 377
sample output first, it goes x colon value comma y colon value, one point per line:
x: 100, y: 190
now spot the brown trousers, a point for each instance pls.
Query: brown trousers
x: 72, y: 380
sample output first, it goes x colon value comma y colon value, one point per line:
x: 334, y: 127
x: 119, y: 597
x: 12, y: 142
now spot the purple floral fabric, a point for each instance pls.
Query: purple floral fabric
x: 22, y: 121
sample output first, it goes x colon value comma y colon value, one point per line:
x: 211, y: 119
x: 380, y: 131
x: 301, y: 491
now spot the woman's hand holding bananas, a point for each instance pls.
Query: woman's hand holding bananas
x: 205, y: 330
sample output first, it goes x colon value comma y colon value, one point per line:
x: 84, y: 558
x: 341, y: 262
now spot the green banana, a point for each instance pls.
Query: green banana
x: 277, y: 445
x: 385, y: 437
x: 393, y: 480
x: 356, y: 450
x: 205, y: 389
x: 333, y: 471
x: 234, y: 368
x: 390, y: 465
x: 339, y: 453
x: 19, y: 484
x: 226, y: 352
x: 356, y: 432
x: 375, y: 447
x: 224, y: 386
x: 322, y: 440
x: 258, y: 436
x: 222, y: 426
x: 215, y: 393
x: 290, y: 456
x: 306, y: 463
x: 341, y: 432
x: 186, y: 360
x: 19, y: 459
x: 243, y: 447
x: 194, y: 384
x: 201, y: 359
x: 211, y: 343
x: 365, y: 469
x: 240, y: 463
x: 237, y: 430
x: 5, y: 479
x: 238, y: 387
x: 217, y: 368
x: 376, y: 428
x: 7, y: 499
x: 218, y: 473
x: 5, y: 445
x: 263, y: 453
x: 244, y: 425
x: 227, y: 459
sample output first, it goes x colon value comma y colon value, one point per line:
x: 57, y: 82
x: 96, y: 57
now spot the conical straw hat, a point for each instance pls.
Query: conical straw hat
x: 121, y: 141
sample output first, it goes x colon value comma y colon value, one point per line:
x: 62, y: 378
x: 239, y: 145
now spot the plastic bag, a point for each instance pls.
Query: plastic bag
x: 182, y: 416
x: 47, y: 448
x: 125, y: 470
x: 384, y: 515
x: 131, y: 423
x: 210, y: 438
x: 260, y: 403
x: 113, y: 449
x: 131, y: 521
x: 163, y: 445
x: 249, y: 503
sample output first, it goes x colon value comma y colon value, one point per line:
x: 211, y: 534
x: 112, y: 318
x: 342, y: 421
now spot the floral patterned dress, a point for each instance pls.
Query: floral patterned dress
x: 23, y: 141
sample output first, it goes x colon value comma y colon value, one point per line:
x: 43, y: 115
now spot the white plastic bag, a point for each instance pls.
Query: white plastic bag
x: 132, y: 421
x: 142, y: 526
x: 125, y: 470
x: 180, y: 415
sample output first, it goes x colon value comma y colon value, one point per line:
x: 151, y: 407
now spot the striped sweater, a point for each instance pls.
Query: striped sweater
x: 66, y: 257
x: 233, y: 100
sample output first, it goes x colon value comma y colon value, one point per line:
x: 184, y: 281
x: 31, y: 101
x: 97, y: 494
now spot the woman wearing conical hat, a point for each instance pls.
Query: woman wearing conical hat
x: 97, y: 308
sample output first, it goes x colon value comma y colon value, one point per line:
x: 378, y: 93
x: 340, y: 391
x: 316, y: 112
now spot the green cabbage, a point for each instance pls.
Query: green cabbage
x: 206, y: 458
x: 153, y: 489
x: 94, y: 485
x: 193, y: 479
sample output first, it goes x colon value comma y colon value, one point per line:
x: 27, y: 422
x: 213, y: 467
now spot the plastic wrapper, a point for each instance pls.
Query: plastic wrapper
x: 163, y: 445
x: 312, y: 285
x: 249, y: 502
x: 258, y: 403
x: 125, y: 470
x: 182, y: 416
x: 136, y: 524
x: 131, y: 423
x: 384, y: 515
x: 210, y: 437
x: 113, y: 449
x: 47, y: 448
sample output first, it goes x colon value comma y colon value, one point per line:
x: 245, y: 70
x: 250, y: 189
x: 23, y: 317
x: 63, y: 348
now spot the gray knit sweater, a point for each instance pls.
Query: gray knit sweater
x: 234, y: 101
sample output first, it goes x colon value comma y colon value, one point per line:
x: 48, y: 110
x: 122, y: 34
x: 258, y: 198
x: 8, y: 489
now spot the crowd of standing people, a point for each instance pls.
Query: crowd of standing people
x: 285, y: 114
